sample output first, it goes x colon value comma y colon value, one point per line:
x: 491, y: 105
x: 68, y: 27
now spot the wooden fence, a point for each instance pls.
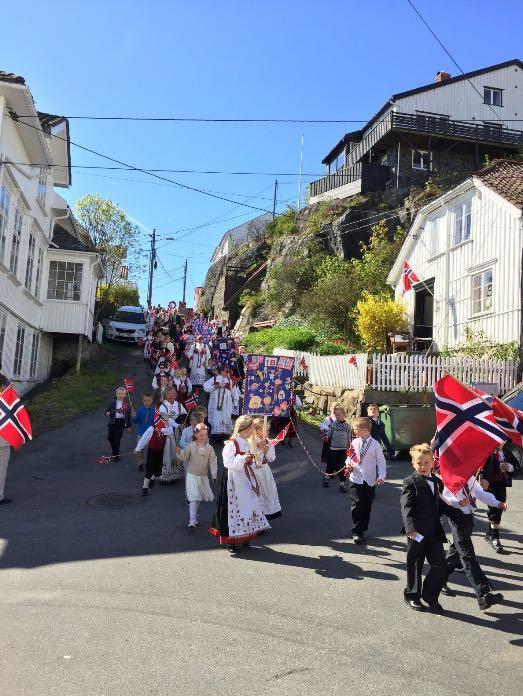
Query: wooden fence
x: 399, y: 372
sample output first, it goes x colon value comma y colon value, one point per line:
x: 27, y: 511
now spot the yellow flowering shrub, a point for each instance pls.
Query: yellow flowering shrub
x: 376, y: 316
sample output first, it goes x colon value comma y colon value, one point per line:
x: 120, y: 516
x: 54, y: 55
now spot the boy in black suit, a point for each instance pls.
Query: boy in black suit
x: 425, y: 535
x: 118, y: 414
x: 378, y: 428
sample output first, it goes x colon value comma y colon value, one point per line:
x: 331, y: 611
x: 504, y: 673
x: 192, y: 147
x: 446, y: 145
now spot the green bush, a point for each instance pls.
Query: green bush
x: 478, y: 345
x: 109, y: 298
x: 267, y: 340
x: 282, y: 225
x: 331, y: 348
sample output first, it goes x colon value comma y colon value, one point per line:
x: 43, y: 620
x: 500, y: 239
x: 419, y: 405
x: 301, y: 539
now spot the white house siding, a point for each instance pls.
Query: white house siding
x: 460, y: 101
x: 496, y: 242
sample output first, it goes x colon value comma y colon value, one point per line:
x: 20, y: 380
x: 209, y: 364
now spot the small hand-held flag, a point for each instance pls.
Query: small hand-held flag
x: 129, y: 384
x: 409, y: 277
x: 303, y: 364
x: 15, y: 426
x: 280, y: 437
x: 353, y: 361
x: 192, y: 401
x: 351, y: 454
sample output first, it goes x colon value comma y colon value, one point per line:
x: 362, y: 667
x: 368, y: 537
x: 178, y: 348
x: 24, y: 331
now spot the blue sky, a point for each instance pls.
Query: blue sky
x: 229, y: 59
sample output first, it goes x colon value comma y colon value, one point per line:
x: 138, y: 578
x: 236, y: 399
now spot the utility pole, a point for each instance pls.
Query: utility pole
x: 152, y: 266
x: 274, y: 201
x: 184, y: 281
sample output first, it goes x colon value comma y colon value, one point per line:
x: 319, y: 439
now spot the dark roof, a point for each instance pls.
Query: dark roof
x: 49, y: 120
x: 352, y: 137
x: 426, y: 88
x: 505, y: 177
x: 12, y: 78
x: 67, y: 241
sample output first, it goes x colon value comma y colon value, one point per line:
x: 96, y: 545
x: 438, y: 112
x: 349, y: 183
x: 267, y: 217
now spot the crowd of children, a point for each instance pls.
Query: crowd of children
x: 179, y: 447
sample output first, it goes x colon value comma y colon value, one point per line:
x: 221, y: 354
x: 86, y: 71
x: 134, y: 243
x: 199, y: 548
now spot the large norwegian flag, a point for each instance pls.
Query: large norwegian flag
x: 409, y: 277
x: 15, y: 426
x: 467, y: 431
x: 509, y: 419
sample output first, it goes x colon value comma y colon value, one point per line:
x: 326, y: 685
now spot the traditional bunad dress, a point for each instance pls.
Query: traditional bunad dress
x: 172, y: 467
x: 220, y: 405
x: 238, y: 515
x: 269, y: 500
x: 183, y: 387
x: 198, y: 355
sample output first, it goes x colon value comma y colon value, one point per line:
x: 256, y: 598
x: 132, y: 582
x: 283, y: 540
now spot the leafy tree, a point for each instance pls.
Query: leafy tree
x: 113, y: 236
x: 114, y: 297
x: 330, y: 301
x: 376, y: 316
x: 377, y: 258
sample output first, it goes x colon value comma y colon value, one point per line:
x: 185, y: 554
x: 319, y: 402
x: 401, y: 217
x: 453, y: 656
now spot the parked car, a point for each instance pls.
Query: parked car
x: 128, y: 324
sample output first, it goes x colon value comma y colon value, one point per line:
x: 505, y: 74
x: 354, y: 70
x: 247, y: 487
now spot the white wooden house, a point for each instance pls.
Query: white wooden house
x: 452, y: 123
x: 253, y: 229
x: 47, y: 275
x: 465, y: 247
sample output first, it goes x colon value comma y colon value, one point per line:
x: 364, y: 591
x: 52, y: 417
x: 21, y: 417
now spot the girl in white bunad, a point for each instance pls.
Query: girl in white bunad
x: 183, y: 384
x: 198, y: 354
x: 172, y: 467
x: 201, y: 461
x: 223, y: 394
x: 238, y: 516
x: 264, y: 454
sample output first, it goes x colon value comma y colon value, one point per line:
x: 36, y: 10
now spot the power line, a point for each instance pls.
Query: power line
x: 139, y: 169
x: 198, y: 119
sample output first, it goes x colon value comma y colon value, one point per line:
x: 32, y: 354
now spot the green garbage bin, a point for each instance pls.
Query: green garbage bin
x: 408, y: 425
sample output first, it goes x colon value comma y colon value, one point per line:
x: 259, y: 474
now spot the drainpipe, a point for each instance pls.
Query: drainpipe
x: 53, y: 220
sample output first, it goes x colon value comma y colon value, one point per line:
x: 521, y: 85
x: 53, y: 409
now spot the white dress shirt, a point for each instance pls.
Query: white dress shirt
x: 476, y: 491
x: 364, y: 469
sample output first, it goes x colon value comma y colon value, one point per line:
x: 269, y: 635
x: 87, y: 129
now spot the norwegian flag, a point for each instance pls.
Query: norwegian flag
x: 303, y: 364
x: 409, y: 277
x: 353, y: 361
x: 192, y: 402
x: 509, y: 419
x: 280, y: 437
x: 351, y: 454
x: 467, y: 432
x: 15, y: 426
x: 129, y: 384
x: 158, y: 421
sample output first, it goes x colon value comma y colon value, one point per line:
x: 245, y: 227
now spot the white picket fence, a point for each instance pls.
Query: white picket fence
x: 329, y: 370
x: 399, y: 372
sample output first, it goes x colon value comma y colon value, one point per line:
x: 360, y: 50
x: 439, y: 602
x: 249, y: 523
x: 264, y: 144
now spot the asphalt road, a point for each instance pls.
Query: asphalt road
x: 113, y: 595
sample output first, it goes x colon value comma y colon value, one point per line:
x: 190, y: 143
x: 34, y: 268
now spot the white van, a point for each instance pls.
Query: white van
x: 128, y: 324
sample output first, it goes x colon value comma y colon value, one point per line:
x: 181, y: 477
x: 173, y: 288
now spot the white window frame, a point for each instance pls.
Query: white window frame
x: 425, y: 155
x: 38, y: 275
x: 462, y: 222
x: 18, y: 360
x: 432, y: 234
x: 29, y: 269
x: 5, y: 201
x: 41, y: 193
x: 3, y: 324
x: 68, y: 292
x: 488, y: 96
x: 18, y: 224
x: 33, y: 363
x: 481, y: 281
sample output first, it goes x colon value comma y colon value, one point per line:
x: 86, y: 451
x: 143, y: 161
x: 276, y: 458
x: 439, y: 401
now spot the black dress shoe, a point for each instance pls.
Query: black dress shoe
x: 489, y: 600
x: 233, y: 548
x: 145, y: 492
x: 445, y: 590
x: 325, y: 482
x: 414, y: 604
x: 436, y: 608
x: 358, y: 539
x: 151, y: 483
x: 4, y: 501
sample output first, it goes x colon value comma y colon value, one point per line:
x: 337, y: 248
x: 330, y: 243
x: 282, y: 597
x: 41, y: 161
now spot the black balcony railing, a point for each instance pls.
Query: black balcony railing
x: 457, y: 130
x: 334, y: 181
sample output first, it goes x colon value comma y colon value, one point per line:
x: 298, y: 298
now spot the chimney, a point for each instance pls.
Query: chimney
x: 442, y: 76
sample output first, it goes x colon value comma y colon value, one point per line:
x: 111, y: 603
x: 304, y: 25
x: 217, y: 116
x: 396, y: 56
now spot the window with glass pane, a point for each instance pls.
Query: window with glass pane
x: 4, y: 219
x: 42, y: 187
x: 463, y: 222
x: 3, y: 322
x: 30, y: 261
x: 15, y: 246
x: 421, y: 160
x: 38, y: 278
x: 19, y: 351
x: 493, y: 96
x: 482, y: 285
x: 65, y: 281
x: 432, y: 230
x: 35, y: 344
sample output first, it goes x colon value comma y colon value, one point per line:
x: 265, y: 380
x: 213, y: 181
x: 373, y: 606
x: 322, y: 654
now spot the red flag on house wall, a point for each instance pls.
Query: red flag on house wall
x: 409, y: 277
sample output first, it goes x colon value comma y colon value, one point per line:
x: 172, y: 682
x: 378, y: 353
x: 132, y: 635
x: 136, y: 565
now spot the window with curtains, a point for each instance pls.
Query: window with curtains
x: 19, y: 351
x: 482, y: 285
x: 462, y: 222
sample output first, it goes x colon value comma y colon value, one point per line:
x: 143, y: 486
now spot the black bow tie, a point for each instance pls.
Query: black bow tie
x: 429, y: 478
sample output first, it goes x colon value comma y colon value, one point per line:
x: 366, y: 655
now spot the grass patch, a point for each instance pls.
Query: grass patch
x: 59, y: 400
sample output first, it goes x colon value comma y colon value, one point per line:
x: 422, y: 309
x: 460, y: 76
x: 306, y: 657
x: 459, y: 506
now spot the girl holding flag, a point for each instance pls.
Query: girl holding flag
x: 263, y: 452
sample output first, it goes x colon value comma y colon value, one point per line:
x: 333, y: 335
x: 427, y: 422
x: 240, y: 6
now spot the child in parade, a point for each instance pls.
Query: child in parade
x: 199, y: 355
x: 365, y: 459
x: 496, y: 477
x: 238, y: 515
x: 184, y: 385
x: 189, y: 431
x: 420, y: 510
x: 118, y: 414
x: 378, y: 428
x: 172, y: 469
x: 324, y: 431
x: 159, y: 393
x: 154, y: 439
x: 200, y: 460
x: 143, y: 419
x: 264, y: 454
x: 459, y: 509
x: 202, y: 410
x: 338, y: 438
x: 222, y: 396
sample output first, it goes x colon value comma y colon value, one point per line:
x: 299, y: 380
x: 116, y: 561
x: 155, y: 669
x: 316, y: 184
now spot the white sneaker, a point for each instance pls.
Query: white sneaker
x: 192, y: 524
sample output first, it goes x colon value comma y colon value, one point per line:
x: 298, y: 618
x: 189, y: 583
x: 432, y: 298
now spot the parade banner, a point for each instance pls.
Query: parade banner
x: 268, y: 385
x: 223, y: 352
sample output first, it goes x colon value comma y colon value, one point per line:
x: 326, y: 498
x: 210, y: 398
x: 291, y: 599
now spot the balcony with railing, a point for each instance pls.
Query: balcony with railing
x: 366, y: 176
